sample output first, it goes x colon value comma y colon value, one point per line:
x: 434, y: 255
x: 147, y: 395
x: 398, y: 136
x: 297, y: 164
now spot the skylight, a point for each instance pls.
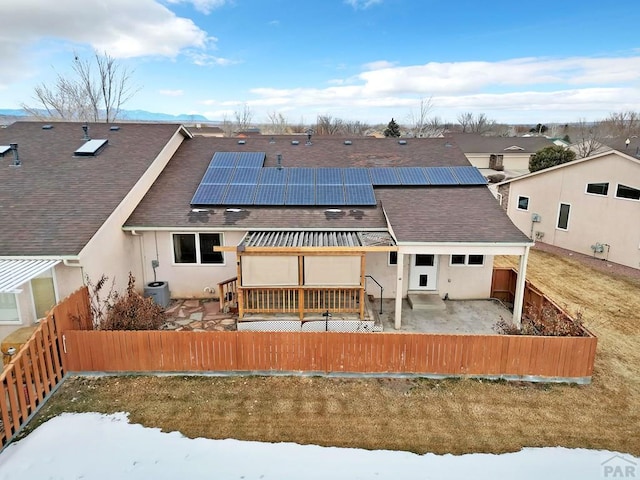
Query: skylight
x: 91, y: 148
x: 4, y: 149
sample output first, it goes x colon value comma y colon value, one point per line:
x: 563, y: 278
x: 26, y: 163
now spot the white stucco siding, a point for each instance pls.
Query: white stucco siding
x: 186, y: 280
x: 510, y: 160
x: 377, y: 265
x: 592, y: 218
x: 465, y: 282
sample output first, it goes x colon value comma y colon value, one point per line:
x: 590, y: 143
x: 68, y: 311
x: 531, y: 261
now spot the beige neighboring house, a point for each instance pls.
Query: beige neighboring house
x: 509, y: 155
x: 590, y: 206
x: 63, y: 202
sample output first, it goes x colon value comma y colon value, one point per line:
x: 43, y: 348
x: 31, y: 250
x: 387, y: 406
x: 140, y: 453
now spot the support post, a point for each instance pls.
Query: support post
x: 520, y: 282
x: 399, y: 274
x: 362, y: 285
x: 239, y: 291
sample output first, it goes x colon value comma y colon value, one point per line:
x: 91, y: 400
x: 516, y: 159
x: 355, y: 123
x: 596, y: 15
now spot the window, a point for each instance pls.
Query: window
x: 523, y: 203
x: 393, y: 258
x: 598, y: 188
x: 458, y: 259
x: 475, y: 260
x: 563, y: 216
x: 424, y: 260
x: 197, y: 248
x: 467, y: 260
x: 630, y: 193
x: 9, y: 308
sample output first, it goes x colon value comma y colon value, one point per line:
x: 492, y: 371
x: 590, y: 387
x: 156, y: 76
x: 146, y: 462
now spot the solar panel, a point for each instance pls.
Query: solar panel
x: 269, y: 195
x: 329, y: 176
x: 384, y: 176
x: 209, y: 194
x: 329, y: 195
x: 359, y: 195
x: 356, y: 176
x: 273, y: 176
x: 224, y: 159
x: 300, y: 195
x: 217, y: 175
x: 469, y: 176
x: 302, y: 176
x: 240, y: 195
x: 245, y: 176
x: 441, y: 176
x: 250, y: 159
x: 412, y: 176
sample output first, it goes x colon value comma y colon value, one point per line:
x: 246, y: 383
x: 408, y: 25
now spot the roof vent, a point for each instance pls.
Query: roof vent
x: 16, y: 159
x: 272, y: 140
x: 241, y: 142
x: 347, y: 142
x: 4, y: 149
x: 91, y: 148
x: 279, y: 157
x: 309, y: 135
x: 47, y: 126
x: 85, y: 129
x: 402, y: 142
x: 448, y: 144
x: 295, y: 142
x: 114, y: 128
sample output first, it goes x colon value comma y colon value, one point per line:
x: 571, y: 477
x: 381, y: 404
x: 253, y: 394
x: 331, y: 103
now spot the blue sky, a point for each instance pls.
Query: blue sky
x: 368, y: 60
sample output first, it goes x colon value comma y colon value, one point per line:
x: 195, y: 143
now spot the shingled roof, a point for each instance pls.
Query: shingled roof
x: 432, y: 214
x: 55, y: 202
x: 474, y: 143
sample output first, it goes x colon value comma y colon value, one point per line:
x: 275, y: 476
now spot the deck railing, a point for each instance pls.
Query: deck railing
x: 228, y: 291
x: 300, y: 300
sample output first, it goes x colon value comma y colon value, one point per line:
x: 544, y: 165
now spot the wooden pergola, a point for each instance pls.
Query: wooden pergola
x: 329, y: 268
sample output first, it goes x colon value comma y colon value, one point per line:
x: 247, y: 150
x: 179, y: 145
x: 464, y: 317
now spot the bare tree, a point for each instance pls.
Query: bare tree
x: 327, y: 125
x: 464, y: 119
x: 243, y: 118
x: 279, y: 124
x: 355, y: 127
x: 93, y: 93
x: 227, y: 126
x: 622, y: 124
x: 419, y: 119
x: 481, y: 124
x: 589, y: 138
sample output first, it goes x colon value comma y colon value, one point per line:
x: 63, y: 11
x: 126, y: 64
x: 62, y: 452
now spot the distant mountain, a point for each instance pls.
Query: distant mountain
x: 130, y: 115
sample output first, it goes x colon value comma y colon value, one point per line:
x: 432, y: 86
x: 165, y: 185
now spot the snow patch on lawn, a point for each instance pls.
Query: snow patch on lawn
x: 96, y: 446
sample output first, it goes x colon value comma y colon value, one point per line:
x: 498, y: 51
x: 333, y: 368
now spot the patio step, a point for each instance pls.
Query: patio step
x: 426, y: 301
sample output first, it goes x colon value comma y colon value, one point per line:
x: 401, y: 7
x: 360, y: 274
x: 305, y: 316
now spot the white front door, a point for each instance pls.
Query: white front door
x: 423, y: 273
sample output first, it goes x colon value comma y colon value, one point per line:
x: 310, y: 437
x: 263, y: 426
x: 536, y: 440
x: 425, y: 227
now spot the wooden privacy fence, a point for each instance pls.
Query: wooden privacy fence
x: 331, y: 352
x: 39, y: 366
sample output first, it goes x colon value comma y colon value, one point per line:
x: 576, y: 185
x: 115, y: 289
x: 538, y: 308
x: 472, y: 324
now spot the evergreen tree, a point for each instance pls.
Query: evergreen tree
x: 550, y: 157
x: 392, y: 130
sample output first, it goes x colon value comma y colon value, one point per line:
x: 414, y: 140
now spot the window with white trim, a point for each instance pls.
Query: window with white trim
x: 523, y: 203
x: 563, y: 216
x: 598, y: 188
x: 629, y: 193
x: 197, y: 248
x: 9, y: 308
x: 474, y: 260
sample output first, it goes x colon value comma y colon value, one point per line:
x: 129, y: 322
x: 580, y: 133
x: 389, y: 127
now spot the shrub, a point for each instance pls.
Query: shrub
x: 549, y: 322
x: 129, y: 311
x: 496, y: 177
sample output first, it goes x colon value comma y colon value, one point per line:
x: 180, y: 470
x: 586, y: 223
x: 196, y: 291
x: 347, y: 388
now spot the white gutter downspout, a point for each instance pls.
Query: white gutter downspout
x: 519, y: 296
x: 135, y: 233
x: 399, y: 273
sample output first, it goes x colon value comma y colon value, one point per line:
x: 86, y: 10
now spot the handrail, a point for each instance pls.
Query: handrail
x: 381, y: 289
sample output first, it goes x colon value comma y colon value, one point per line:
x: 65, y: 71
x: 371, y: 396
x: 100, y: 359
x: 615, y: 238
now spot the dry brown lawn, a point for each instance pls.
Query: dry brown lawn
x: 455, y: 416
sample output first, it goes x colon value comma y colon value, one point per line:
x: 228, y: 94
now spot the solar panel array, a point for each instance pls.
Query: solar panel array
x: 239, y: 178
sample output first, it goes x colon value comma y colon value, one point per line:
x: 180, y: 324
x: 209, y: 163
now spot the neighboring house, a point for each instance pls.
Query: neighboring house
x: 206, y: 130
x: 590, y: 206
x: 62, y: 208
x: 508, y: 154
x: 287, y: 217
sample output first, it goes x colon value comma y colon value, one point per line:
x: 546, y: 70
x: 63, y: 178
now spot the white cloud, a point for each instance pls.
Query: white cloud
x: 122, y: 28
x: 204, y: 60
x: 362, y: 4
x: 171, y: 93
x: 203, y: 6
x: 378, y: 65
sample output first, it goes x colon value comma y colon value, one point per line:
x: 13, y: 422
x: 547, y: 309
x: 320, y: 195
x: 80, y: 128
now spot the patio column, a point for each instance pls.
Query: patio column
x: 519, y: 296
x: 399, y: 273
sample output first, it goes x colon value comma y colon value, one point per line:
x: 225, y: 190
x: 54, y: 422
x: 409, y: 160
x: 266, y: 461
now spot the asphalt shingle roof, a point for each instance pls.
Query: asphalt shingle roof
x: 474, y: 143
x: 54, y: 202
x: 456, y: 214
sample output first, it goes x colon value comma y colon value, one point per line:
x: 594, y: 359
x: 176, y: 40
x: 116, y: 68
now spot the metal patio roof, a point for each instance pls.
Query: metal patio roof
x: 14, y: 273
x: 317, y: 239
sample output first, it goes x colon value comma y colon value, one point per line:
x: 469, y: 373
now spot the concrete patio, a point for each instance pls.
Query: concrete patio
x: 451, y: 316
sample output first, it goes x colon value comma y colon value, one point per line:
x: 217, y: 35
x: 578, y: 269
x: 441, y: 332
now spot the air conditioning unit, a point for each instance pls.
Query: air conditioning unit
x: 536, y: 218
